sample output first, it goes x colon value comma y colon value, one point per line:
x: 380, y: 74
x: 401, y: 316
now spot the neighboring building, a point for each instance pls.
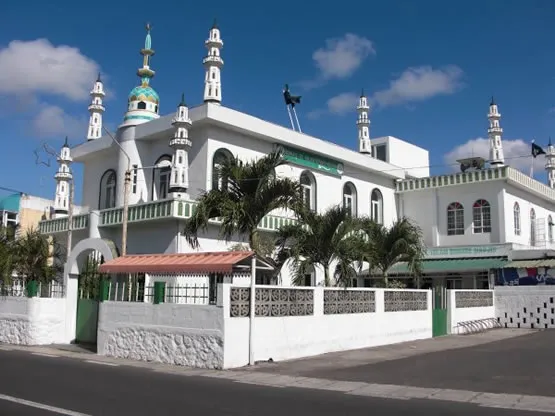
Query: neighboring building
x: 485, y: 216
x: 25, y: 211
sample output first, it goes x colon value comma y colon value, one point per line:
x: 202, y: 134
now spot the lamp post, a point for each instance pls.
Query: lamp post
x: 126, y: 188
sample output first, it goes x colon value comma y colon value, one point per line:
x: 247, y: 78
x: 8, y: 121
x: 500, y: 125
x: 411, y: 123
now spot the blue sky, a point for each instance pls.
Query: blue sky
x: 429, y: 68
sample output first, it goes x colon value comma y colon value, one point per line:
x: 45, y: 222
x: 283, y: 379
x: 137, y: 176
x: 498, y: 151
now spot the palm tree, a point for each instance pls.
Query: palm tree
x: 37, y: 257
x: 321, y: 240
x: 385, y: 247
x: 250, y: 191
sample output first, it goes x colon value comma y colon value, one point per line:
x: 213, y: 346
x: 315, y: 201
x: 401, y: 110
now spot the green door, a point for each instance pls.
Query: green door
x: 87, y: 306
x: 87, y: 321
x: 439, y: 310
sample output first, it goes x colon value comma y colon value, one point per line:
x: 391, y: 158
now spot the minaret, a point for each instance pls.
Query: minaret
x: 212, y: 65
x: 63, y: 178
x: 363, y: 125
x: 496, y: 157
x: 143, y: 100
x: 96, y: 109
x: 550, y: 164
x: 180, y: 143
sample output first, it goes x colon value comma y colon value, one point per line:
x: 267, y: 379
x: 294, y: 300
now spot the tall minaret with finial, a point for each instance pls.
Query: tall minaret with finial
x: 213, y: 64
x: 495, y: 131
x: 180, y: 143
x: 96, y: 108
x: 143, y: 100
x: 63, y: 178
x: 363, y: 125
x: 550, y: 164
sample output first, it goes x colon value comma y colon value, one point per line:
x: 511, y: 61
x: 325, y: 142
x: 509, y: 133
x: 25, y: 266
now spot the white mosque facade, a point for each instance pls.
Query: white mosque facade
x: 482, y: 224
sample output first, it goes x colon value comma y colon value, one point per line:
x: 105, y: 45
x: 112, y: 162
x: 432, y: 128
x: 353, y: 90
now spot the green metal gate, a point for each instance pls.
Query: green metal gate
x: 439, y: 310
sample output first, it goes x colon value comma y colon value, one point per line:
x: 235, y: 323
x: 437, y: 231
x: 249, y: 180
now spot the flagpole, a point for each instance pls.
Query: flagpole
x: 296, y: 118
x: 532, y: 169
x: 290, y: 118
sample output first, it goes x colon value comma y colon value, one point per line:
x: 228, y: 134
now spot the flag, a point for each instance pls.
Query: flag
x: 537, y: 150
x: 291, y: 100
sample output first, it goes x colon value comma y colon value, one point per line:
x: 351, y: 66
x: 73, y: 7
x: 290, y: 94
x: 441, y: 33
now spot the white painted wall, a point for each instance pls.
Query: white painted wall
x: 283, y: 338
x: 527, y: 202
x: 32, y: 321
x: 414, y: 160
x: 428, y: 208
x: 525, y: 306
x: 456, y: 317
x: 188, y: 335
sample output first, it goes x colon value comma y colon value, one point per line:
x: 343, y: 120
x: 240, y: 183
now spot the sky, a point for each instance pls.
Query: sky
x: 429, y: 69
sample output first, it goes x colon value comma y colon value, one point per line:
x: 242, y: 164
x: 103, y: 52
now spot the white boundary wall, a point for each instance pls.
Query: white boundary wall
x: 467, y: 319
x: 284, y: 338
x: 525, y: 306
x: 32, y: 321
x: 188, y: 335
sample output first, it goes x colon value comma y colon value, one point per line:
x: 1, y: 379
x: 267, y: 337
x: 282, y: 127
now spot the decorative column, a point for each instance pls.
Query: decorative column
x: 212, y: 65
x: 63, y: 182
x: 363, y: 125
x: 495, y: 131
x: 96, y: 108
x: 180, y: 143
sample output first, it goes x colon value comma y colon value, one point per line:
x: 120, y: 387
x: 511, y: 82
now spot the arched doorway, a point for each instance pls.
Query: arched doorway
x: 82, y: 305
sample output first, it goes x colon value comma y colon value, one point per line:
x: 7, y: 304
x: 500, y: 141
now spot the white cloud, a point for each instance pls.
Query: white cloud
x: 340, y: 104
x: 517, y: 154
x: 38, y: 67
x: 53, y: 121
x: 420, y: 83
x: 340, y: 58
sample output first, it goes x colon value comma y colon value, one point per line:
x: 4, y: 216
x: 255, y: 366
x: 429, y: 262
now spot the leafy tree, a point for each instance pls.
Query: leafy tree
x: 249, y: 192
x: 321, y: 240
x: 7, y: 260
x: 387, y: 246
x: 37, y: 257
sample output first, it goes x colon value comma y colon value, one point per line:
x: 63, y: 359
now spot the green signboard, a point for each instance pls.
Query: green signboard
x: 311, y: 161
x: 490, y: 250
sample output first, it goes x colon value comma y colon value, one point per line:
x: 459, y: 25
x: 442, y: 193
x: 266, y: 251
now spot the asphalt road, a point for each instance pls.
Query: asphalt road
x: 520, y: 365
x: 79, y: 388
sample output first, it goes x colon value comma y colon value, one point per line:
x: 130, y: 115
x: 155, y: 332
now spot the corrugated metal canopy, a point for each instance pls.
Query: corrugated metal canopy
x: 530, y: 264
x: 452, y: 265
x: 209, y: 262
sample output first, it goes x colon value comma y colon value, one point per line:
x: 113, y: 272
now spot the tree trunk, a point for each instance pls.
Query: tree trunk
x: 385, y: 278
x: 326, y: 275
x: 253, y: 241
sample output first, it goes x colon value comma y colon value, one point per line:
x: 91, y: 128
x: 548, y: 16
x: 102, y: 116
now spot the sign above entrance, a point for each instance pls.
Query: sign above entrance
x: 311, y: 161
x: 488, y: 250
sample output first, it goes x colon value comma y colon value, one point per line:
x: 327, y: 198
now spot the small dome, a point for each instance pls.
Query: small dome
x: 144, y: 93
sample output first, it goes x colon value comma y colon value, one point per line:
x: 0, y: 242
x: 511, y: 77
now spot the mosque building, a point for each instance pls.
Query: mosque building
x: 487, y: 223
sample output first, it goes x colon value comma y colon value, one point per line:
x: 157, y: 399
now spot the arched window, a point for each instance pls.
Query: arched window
x: 516, y: 218
x: 532, y: 227
x: 481, y: 217
x: 107, y: 193
x: 161, y: 177
x: 376, y: 206
x: 350, y: 198
x: 550, y: 228
x: 221, y: 155
x: 141, y: 105
x: 308, y: 184
x: 455, y: 219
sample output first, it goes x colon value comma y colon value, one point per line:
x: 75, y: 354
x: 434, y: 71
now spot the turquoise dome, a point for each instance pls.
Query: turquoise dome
x: 144, y: 93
